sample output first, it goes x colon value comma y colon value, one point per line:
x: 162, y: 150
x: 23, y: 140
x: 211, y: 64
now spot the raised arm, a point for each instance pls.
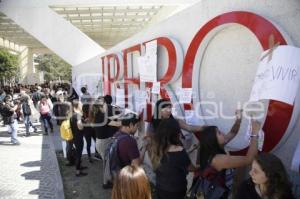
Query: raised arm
x: 227, y: 161
x: 235, y: 128
x: 188, y: 127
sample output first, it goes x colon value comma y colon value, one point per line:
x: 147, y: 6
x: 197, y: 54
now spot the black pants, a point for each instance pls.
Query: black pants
x: 70, y: 151
x: 89, y: 133
x: 162, y: 194
x: 79, y: 148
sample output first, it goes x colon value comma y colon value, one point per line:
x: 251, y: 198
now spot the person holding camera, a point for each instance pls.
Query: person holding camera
x: 9, y: 118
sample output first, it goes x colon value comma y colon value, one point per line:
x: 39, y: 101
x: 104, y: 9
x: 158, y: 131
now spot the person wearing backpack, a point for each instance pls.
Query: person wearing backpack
x: 37, y: 96
x: 9, y: 118
x: 26, y: 111
x: 67, y: 135
x: 123, y: 150
x: 62, y: 111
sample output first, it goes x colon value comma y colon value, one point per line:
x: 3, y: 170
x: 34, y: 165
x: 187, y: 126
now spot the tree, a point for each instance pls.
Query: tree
x: 8, y: 65
x: 53, y: 67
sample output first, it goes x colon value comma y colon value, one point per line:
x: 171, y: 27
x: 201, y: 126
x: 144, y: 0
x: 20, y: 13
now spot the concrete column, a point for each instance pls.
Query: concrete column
x: 4, y: 43
x: 26, y: 64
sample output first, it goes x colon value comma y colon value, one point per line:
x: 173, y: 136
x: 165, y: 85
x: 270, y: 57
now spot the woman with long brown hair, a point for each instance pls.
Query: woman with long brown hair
x: 132, y: 183
x: 269, y: 179
x: 170, y: 161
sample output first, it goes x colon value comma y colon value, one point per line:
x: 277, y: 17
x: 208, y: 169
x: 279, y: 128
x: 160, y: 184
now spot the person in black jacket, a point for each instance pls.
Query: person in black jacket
x: 26, y: 111
x: 9, y: 118
x: 61, y: 109
x: 77, y: 130
x: 268, y: 180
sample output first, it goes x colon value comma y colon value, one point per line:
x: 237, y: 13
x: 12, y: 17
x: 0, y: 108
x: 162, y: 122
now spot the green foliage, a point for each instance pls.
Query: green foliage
x: 8, y: 64
x: 53, y: 67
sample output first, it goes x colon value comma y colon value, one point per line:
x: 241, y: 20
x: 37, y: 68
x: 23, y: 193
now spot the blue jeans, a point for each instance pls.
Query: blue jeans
x: 46, y: 120
x: 28, y: 123
x: 14, y: 131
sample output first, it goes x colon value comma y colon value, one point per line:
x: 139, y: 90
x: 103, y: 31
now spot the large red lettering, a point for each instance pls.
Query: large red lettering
x: 279, y: 113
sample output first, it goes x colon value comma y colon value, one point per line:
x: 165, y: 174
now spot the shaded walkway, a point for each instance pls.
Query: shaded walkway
x: 29, y: 170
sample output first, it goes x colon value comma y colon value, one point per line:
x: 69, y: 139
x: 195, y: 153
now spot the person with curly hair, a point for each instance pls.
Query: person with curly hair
x: 269, y: 180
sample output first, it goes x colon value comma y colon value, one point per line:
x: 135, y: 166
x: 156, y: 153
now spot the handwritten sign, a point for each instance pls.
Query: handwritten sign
x: 278, y: 79
x: 156, y: 88
x: 185, y: 95
x: 120, y: 97
x: 151, y: 48
x: 147, y: 68
x: 140, y: 99
x: 148, y: 63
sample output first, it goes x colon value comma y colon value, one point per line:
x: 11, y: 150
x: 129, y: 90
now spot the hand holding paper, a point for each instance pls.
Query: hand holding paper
x: 239, y: 114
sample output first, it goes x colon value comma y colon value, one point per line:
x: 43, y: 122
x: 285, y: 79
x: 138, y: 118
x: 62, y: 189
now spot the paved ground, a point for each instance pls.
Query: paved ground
x: 87, y: 187
x: 29, y: 170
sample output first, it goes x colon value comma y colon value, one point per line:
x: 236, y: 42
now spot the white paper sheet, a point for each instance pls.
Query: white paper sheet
x: 151, y: 47
x: 140, y: 99
x: 278, y: 79
x: 147, y: 68
x: 120, y: 97
x: 185, y: 95
x: 156, y: 88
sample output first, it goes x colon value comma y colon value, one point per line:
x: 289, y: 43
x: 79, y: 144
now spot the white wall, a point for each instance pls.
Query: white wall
x: 230, y: 60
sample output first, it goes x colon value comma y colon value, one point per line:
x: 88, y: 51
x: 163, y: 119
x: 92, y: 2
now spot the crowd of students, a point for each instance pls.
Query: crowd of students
x: 24, y: 103
x: 98, y: 119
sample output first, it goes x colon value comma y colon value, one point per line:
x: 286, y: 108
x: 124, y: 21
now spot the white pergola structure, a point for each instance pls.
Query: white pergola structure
x: 76, y: 30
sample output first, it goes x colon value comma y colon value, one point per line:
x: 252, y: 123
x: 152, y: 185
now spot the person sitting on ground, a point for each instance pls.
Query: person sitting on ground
x: 170, y: 161
x: 213, y: 158
x: 269, y: 179
x: 132, y: 183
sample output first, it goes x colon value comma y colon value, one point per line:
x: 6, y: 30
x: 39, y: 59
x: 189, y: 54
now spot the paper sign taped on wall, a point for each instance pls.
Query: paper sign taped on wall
x: 278, y: 79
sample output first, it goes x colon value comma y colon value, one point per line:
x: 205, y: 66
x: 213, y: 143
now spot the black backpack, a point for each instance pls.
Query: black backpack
x: 36, y: 97
x: 26, y: 109
x: 6, y: 112
x: 114, y: 163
